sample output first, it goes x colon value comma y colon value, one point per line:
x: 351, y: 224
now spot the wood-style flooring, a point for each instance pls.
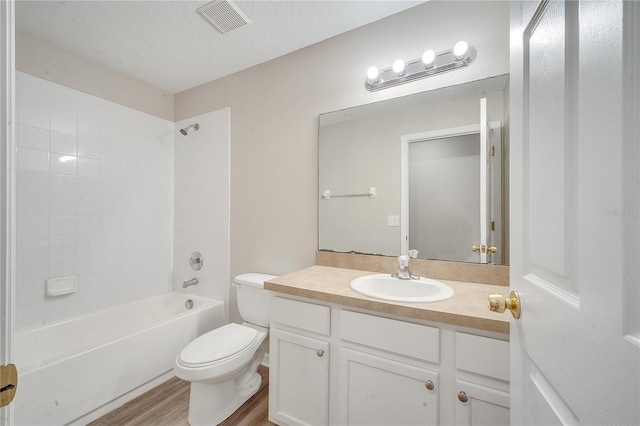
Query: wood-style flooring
x: 168, y: 405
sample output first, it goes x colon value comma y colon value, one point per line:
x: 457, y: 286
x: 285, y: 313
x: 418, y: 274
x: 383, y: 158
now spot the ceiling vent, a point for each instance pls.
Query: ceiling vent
x: 224, y: 15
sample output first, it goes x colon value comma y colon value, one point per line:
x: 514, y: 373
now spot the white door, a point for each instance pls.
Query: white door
x: 574, y: 213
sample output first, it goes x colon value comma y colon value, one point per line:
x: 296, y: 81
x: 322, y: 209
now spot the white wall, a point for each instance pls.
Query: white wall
x: 94, y: 199
x: 201, y: 207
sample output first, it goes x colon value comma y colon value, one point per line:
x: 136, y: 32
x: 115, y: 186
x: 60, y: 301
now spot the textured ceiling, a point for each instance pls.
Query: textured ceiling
x: 171, y: 46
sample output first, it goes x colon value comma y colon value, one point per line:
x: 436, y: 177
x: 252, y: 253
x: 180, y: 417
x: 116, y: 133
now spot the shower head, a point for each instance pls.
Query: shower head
x: 186, y: 129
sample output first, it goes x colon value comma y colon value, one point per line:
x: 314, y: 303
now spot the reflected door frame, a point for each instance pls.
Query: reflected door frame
x: 405, y: 140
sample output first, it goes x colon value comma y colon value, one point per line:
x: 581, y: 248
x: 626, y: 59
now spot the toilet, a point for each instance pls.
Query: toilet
x: 222, y: 364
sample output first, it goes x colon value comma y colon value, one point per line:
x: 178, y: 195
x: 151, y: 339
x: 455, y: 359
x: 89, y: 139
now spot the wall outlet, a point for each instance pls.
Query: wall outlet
x: 393, y: 221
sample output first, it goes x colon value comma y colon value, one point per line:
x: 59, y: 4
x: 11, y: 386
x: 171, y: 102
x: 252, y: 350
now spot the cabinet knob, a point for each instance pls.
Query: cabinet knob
x: 462, y: 396
x: 320, y: 353
x: 429, y: 385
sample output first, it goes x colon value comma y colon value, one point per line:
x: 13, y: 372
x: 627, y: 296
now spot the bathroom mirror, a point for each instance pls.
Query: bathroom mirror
x: 408, y: 173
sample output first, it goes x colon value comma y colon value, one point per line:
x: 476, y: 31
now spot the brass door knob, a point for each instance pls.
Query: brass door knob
x: 499, y: 303
x: 484, y: 249
x: 429, y: 385
x: 462, y: 396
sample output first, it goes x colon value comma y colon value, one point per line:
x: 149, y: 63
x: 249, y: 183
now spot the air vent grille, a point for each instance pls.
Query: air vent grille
x: 224, y: 15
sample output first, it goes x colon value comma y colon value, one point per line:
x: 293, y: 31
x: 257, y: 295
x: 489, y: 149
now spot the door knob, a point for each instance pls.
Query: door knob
x: 484, y: 249
x: 499, y: 303
x: 8, y: 383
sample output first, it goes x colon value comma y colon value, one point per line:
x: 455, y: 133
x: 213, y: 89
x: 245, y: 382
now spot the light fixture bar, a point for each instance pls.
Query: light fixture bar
x: 414, y: 70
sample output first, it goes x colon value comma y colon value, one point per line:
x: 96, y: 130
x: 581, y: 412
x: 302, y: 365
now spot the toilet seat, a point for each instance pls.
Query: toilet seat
x: 216, y: 345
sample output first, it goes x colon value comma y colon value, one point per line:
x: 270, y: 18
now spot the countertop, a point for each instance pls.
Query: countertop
x: 467, y: 308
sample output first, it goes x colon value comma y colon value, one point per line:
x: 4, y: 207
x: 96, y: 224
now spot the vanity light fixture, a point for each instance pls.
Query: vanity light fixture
x: 430, y: 64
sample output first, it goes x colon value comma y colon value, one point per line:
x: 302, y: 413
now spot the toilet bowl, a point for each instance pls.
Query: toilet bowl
x: 222, y: 364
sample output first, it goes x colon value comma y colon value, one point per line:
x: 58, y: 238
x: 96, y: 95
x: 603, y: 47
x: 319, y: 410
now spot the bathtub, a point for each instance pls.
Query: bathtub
x: 77, y: 370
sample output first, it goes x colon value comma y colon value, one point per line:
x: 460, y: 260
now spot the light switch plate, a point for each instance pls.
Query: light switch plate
x: 393, y: 220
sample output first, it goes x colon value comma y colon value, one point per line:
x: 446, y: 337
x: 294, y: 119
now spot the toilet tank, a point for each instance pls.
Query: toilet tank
x: 254, y: 302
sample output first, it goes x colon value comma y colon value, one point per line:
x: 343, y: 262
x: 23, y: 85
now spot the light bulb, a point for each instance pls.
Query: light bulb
x: 372, y: 74
x: 398, y: 66
x: 460, y: 49
x: 428, y: 57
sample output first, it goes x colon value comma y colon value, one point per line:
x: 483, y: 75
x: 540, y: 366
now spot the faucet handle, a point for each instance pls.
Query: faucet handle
x: 403, y: 260
x: 413, y: 253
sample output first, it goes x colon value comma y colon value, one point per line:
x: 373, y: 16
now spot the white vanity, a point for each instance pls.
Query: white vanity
x: 340, y: 358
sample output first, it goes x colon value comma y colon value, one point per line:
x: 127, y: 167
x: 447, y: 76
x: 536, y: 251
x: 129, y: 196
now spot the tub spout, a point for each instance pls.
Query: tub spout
x: 192, y: 281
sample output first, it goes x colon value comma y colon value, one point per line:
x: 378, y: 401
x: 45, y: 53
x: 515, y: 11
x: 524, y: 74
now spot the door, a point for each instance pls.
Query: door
x: 574, y: 214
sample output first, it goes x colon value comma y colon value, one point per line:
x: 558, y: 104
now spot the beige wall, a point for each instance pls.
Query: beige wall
x: 274, y: 110
x: 42, y: 59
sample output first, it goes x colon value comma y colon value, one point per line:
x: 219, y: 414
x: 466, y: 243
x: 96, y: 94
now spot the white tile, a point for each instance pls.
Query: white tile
x: 62, y: 122
x: 63, y: 267
x: 29, y: 182
x: 32, y: 226
x: 64, y: 185
x: 33, y: 115
x: 89, y: 129
x: 33, y: 137
x: 89, y: 206
x: 63, y: 144
x: 89, y: 148
x: 111, y: 188
x: 88, y: 167
x: 31, y: 159
x: 30, y: 278
x: 112, y: 170
x: 63, y: 99
x: 32, y: 204
x: 63, y: 164
x: 113, y: 152
x: 62, y: 247
x: 60, y: 226
x: 63, y: 206
x: 32, y: 248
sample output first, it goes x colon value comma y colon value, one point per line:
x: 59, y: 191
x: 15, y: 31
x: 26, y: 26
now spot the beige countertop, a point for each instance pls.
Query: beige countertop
x: 467, y: 308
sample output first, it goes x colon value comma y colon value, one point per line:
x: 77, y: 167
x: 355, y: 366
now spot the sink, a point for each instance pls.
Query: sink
x: 386, y: 287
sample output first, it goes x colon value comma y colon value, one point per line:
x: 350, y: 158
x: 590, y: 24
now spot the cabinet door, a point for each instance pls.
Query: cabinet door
x: 298, y: 379
x: 379, y: 391
x: 481, y: 405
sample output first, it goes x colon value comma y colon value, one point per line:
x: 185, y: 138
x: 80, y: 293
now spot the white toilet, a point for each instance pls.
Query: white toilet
x: 222, y: 364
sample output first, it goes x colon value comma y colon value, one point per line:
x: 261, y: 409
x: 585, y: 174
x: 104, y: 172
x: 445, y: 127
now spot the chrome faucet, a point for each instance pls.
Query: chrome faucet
x: 403, y: 270
x: 192, y: 281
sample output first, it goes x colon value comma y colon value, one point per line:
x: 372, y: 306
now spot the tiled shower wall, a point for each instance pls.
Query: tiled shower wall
x: 94, y: 198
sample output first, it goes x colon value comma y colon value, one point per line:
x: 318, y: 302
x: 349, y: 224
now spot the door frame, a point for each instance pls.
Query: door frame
x: 405, y: 140
x: 7, y: 191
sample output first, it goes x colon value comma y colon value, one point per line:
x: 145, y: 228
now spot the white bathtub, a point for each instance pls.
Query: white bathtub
x: 75, y: 371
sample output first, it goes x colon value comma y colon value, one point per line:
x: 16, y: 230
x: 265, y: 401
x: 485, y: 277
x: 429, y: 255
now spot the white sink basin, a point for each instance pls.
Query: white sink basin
x: 386, y: 287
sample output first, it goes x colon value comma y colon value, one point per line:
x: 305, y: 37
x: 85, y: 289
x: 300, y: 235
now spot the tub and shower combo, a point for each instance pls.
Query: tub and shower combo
x: 77, y: 370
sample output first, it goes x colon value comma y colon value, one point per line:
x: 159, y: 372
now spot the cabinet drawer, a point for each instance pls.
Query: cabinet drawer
x: 404, y: 338
x: 482, y: 355
x: 302, y: 315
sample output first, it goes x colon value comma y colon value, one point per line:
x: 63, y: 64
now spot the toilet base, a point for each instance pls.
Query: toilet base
x: 212, y: 403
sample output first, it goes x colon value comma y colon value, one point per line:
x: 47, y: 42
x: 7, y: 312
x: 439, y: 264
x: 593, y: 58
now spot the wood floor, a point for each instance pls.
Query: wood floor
x: 168, y: 405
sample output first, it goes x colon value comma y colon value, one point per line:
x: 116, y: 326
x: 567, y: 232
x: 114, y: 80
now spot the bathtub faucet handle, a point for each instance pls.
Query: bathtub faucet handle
x: 192, y: 281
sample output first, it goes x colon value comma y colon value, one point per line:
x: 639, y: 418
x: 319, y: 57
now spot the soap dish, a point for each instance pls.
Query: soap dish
x: 61, y: 286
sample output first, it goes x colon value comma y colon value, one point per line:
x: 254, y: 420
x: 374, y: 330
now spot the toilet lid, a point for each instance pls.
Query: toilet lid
x: 217, y: 344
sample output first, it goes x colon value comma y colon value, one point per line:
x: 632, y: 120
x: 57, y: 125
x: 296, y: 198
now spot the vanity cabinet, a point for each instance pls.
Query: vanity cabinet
x: 385, y: 374
x: 299, y: 363
x: 333, y: 365
x: 482, y: 380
